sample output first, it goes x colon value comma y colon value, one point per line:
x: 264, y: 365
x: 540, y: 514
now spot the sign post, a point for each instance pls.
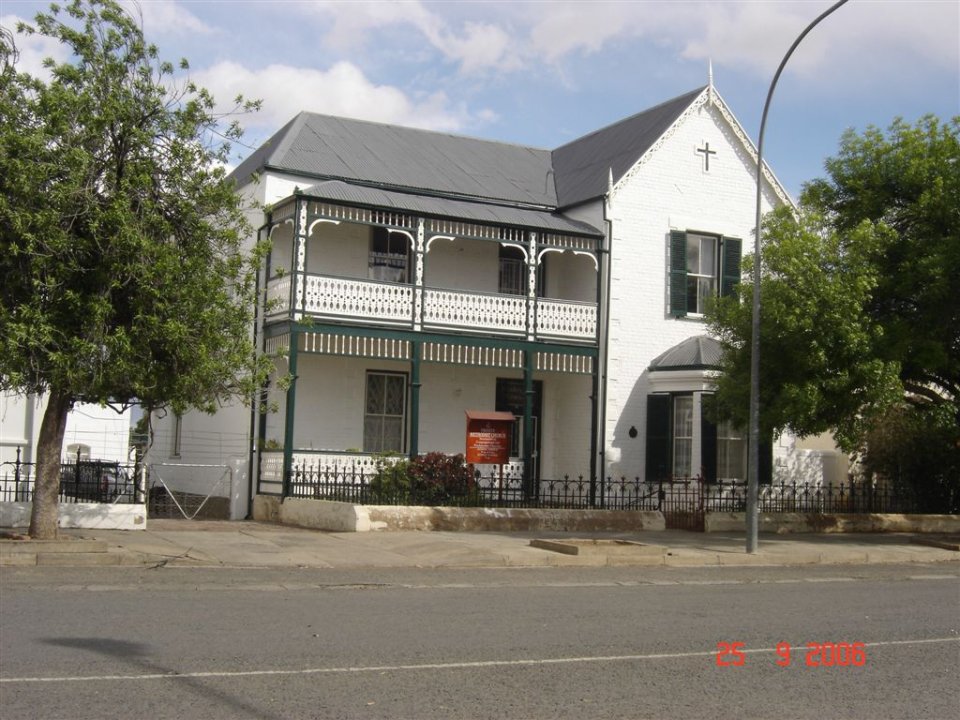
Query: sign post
x: 488, y: 439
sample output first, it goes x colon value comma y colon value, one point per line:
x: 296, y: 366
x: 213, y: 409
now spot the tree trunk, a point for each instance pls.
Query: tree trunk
x: 44, y: 518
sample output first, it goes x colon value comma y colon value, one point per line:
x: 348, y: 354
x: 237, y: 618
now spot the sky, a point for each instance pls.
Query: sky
x: 544, y: 73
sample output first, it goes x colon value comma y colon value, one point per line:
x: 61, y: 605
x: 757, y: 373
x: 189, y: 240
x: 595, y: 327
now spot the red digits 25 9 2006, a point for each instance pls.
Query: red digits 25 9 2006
x: 826, y: 654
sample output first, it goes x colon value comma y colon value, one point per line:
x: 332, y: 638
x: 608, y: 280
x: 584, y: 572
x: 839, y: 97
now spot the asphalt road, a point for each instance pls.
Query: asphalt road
x: 525, y: 643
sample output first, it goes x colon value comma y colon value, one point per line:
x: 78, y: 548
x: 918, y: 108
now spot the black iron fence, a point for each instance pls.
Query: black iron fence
x: 86, y: 481
x: 676, y: 497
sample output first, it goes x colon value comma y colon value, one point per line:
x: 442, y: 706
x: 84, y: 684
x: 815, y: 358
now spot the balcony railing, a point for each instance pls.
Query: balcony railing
x: 370, y: 301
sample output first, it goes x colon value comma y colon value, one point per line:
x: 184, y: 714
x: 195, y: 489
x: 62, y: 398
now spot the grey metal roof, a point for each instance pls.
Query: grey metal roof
x: 339, y: 191
x: 420, y: 161
x: 582, y: 167
x: 394, y: 157
x: 700, y: 352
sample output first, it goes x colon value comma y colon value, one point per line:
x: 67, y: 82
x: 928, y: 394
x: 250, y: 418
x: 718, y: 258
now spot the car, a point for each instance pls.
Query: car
x: 97, y: 481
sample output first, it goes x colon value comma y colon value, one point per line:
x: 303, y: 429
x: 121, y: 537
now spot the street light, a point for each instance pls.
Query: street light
x: 753, y: 458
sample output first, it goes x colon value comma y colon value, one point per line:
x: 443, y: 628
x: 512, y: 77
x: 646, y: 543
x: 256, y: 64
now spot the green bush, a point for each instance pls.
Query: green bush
x: 431, y: 479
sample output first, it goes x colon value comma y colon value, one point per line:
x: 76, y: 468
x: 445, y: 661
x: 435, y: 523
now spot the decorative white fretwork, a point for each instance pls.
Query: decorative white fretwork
x: 366, y: 216
x: 355, y: 346
x: 568, y: 242
x: 492, y: 313
x: 278, y: 296
x: 418, y: 277
x: 532, y: 262
x: 456, y: 228
x: 566, y: 320
x: 561, y: 362
x: 454, y: 354
x: 361, y: 299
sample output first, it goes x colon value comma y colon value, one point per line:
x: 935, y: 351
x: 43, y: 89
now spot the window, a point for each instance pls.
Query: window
x: 389, y: 256
x: 513, y: 271
x: 731, y: 452
x: 702, y: 266
x: 384, y: 417
x: 671, y: 431
x: 682, y: 436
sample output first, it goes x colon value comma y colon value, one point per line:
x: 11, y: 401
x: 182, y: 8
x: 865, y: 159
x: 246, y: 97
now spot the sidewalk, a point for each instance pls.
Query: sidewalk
x: 254, y: 544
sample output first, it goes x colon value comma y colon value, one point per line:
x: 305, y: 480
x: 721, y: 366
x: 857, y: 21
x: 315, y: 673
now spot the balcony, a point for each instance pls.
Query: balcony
x: 396, y: 305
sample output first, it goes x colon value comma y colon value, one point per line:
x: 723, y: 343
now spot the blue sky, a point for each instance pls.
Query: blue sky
x: 544, y: 73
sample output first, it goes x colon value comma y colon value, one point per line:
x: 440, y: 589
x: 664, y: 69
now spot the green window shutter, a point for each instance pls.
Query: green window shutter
x: 730, y: 266
x: 678, y: 273
x: 708, y: 441
x: 658, y: 466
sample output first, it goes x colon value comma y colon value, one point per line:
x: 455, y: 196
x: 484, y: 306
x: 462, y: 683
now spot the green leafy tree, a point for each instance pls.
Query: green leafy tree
x: 819, y: 371
x: 122, y: 244
x: 860, y: 318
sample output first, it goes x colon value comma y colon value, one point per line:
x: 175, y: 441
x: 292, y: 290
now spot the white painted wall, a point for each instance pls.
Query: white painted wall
x: 470, y: 265
x: 103, y: 430
x: 671, y: 190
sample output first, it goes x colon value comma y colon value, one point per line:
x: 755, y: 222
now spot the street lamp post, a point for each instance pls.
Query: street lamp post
x: 753, y: 459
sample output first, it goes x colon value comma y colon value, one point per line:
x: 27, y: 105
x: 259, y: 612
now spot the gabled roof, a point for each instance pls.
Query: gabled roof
x: 700, y: 352
x: 583, y: 166
x: 426, y: 163
x: 394, y: 157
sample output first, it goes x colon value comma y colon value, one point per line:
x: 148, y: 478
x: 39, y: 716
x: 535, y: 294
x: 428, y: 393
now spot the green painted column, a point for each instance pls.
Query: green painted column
x: 288, y: 425
x: 528, y: 478
x: 414, y: 399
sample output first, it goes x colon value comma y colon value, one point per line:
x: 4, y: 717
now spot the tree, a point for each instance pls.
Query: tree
x: 860, y: 319
x: 819, y: 370
x: 126, y: 276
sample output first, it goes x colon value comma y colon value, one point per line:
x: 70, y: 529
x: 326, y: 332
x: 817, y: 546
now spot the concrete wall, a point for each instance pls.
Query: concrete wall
x: 90, y: 516
x: 344, y: 517
x: 835, y: 523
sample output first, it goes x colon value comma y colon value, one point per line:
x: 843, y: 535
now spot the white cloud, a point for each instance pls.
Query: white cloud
x: 33, y: 49
x: 342, y: 89
x: 166, y: 17
x: 476, y: 46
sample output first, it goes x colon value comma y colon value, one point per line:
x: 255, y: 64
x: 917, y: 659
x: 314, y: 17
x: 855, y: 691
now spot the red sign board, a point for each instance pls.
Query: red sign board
x: 488, y: 437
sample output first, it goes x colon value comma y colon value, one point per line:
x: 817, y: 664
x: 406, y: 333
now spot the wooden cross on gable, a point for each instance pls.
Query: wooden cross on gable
x: 707, y: 152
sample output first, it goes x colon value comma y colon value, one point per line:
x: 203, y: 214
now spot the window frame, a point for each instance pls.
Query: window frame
x: 727, y: 258
x: 368, y: 447
x: 381, y: 262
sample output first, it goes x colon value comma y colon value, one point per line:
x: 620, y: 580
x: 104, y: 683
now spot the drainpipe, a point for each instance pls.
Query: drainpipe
x: 604, y: 332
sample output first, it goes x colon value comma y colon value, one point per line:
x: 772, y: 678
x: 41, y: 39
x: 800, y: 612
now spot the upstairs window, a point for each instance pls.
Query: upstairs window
x: 389, y: 256
x: 702, y: 266
x: 513, y: 271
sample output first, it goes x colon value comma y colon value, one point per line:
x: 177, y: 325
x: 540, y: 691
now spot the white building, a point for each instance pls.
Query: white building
x: 96, y: 433
x: 416, y: 275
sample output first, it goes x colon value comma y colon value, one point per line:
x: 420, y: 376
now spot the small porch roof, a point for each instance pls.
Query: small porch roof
x: 700, y: 352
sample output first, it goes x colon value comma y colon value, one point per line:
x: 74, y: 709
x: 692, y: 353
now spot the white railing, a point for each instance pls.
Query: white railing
x: 452, y: 308
x: 373, y: 301
x: 364, y: 299
x: 566, y: 319
x: 278, y: 295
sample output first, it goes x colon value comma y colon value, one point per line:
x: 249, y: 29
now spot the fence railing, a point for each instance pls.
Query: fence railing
x: 366, y: 486
x: 81, y: 481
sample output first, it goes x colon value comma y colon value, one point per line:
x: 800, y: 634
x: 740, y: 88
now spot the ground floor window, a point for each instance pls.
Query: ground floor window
x: 683, y: 436
x: 731, y: 452
x: 384, y: 419
x: 679, y: 447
